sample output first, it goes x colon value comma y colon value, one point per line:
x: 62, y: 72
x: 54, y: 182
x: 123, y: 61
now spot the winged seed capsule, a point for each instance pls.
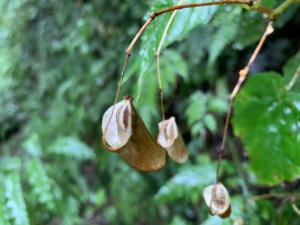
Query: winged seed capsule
x: 217, y: 199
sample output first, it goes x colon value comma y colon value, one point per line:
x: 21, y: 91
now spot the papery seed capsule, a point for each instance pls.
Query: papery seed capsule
x: 218, y: 200
x: 170, y: 139
x: 125, y: 133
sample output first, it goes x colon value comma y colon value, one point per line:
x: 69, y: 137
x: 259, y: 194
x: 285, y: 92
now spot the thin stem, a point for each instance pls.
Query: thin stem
x: 242, y: 76
x: 161, y: 94
x: 244, y: 72
x: 158, y: 52
x: 294, y: 79
x: 117, y: 93
x: 274, y: 195
x: 221, y: 150
x: 137, y: 36
x: 179, y: 7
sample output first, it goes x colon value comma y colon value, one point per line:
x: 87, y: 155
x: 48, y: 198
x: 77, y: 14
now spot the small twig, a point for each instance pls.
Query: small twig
x: 158, y: 52
x: 275, y: 195
x: 294, y: 79
x: 221, y: 150
x: 179, y: 7
x: 117, y: 93
x: 242, y: 76
x: 244, y: 72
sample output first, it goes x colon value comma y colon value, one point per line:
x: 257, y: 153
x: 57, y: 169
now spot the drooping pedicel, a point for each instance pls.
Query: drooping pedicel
x: 170, y: 139
x: 218, y: 200
x: 125, y: 133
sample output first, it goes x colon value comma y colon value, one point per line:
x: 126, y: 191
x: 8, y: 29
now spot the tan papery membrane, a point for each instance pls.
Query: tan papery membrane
x: 170, y: 139
x: 218, y: 200
x: 124, y: 132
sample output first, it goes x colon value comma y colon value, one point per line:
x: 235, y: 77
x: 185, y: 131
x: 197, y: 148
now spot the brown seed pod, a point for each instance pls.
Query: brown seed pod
x: 125, y: 133
x: 218, y: 200
x: 170, y: 139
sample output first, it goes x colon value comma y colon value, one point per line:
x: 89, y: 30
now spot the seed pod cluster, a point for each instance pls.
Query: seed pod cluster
x: 125, y: 133
x: 217, y: 199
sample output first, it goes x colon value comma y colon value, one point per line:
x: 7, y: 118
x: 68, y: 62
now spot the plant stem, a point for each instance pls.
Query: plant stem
x: 178, y: 7
x: 117, y: 95
x: 274, y: 195
x: 158, y: 52
x: 294, y: 79
x: 242, y: 77
x: 244, y: 72
x: 224, y: 138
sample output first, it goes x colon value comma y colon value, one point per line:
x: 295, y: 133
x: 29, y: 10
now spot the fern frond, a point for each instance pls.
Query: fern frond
x: 72, y: 147
x: 188, y: 183
x: 40, y: 183
x: 15, y: 201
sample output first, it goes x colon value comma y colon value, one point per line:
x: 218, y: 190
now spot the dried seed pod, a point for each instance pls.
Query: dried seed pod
x: 170, y: 139
x: 125, y: 133
x: 218, y: 200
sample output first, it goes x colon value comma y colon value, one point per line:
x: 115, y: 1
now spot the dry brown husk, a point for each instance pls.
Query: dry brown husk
x: 218, y: 200
x: 125, y: 133
x: 170, y: 139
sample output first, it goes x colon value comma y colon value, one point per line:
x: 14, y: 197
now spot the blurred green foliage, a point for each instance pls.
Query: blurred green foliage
x: 59, y: 66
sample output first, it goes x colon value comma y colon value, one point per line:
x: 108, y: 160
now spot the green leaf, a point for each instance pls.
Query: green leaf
x: 183, y: 23
x: 187, y: 19
x: 270, y: 3
x: 72, y: 147
x: 289, y: 70
x: 250, y: 30
x: 188, y: 183
x: 40, y: 183
x: 196, y: 108
x: 100, y: 197
x: 9, y: 164
x: 210, y: 122
x: 150, y: 41
x: 217, y: 105
x: 15, y: 201
x: 33, y: 146
x: 267, y: 119
x: 169, y: 58
x: 225, y: 33
x: 148, y: 107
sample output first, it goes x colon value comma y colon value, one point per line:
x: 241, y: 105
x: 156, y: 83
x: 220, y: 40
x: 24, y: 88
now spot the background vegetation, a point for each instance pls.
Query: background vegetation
x: 59, y: 66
